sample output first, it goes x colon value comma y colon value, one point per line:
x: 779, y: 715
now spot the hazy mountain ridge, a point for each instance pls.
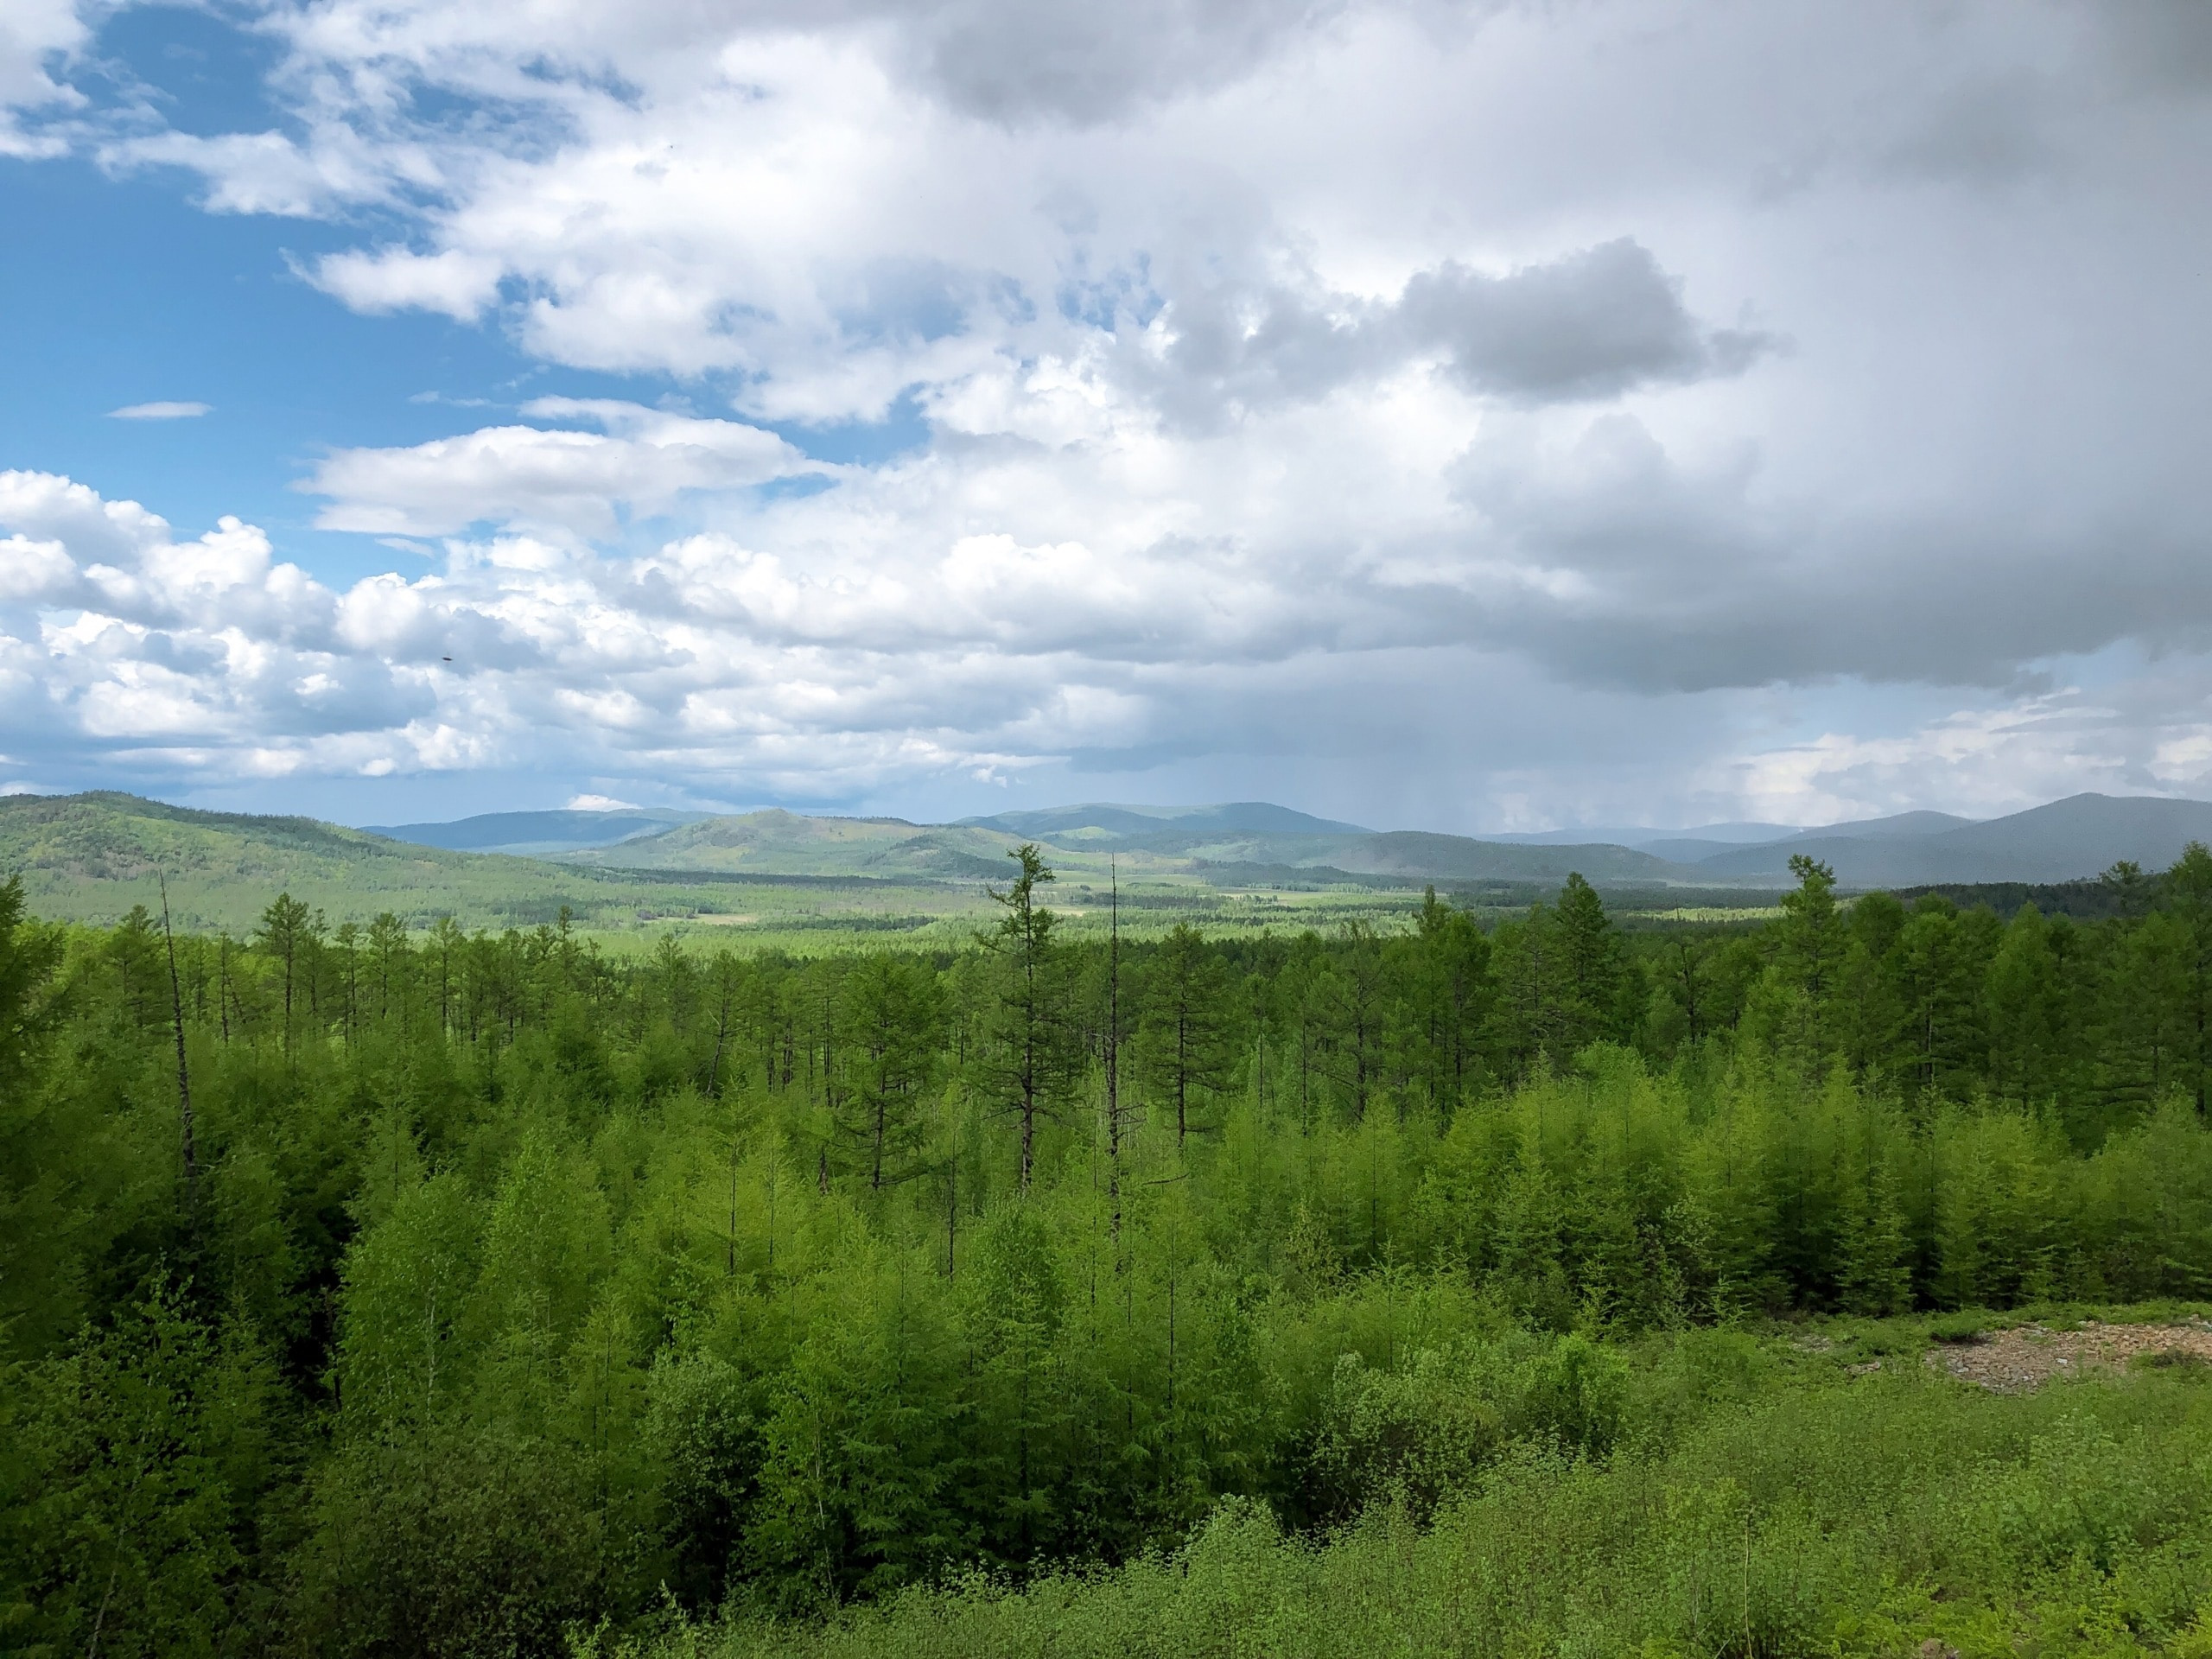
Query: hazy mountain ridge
x: 1418, y: 852
x: 531, y: 833
x: 1702, y: 841
x: 2064, y: 841
x: 1248, y: 816
x: 780, y: 842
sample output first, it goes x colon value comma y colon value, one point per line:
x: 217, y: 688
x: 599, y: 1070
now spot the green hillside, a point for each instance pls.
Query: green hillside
x: 759, y: 877
x: 1456, y: 858
x: 90, y: 858
x: 777, y: 843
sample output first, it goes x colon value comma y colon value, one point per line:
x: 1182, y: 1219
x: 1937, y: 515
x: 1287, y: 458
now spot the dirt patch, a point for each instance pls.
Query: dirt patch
x: 2029, y: 1355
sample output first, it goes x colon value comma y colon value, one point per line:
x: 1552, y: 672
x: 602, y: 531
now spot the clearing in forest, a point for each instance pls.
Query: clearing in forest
x: 2026, y: 1356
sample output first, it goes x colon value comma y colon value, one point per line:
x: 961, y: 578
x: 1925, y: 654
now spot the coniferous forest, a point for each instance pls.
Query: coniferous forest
x: 1530, y: 1284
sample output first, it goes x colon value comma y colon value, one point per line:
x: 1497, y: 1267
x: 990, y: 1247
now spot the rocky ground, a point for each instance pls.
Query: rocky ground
x: 2026, y: 1356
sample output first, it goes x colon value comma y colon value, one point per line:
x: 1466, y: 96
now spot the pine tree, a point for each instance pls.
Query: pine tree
x: 1809, y: 938
x: 1186, y: 1033
x: 1446, y: 1002
x: 1598, y: 1003
x: 1357, y: 1014
x: 1874, y: 1272
x: 1937, y: 980
x: 892, y: 1014
x: 2187, y: 894
x: 2024, y: 1011
x: 285, y: 935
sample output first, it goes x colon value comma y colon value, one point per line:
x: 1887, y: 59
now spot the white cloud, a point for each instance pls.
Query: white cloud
x: 843, y: 666
x: 644, y: 460
x: 598, y: 803
x: 35, y: 571
x: 458, y: 284
x: 33, y: 34
x: 160, y: 412
x: 273, y: 172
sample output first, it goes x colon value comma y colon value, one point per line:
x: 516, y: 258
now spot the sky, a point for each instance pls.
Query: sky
x: 1466, y: 416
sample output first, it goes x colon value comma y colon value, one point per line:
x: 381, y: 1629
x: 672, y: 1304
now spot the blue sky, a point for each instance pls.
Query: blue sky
x: 1469, y: 416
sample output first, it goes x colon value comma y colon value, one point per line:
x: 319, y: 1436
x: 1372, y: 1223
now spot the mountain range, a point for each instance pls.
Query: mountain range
x: 2067, y: 840
x: 94, y: 855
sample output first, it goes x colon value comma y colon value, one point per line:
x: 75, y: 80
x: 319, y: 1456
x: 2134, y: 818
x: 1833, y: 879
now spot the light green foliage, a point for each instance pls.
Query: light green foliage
x: 524, y: 1286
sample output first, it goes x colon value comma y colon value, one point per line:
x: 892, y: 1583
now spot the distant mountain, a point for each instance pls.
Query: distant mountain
x: 533, y: 833
x: 1149, y: 842
x: 1459, y: 858
x: 1685, y: 851
x: 1705, y: 840
x: 1715, y: 836
x: 1102, y: 822
x: 2065, y: 840
x: 1896, y: 827
x: 1700, y: 847
x: 777, y: 843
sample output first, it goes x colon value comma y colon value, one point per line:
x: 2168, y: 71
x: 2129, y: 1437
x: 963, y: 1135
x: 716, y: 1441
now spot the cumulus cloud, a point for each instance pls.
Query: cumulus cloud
x: 123, y: 639
x: 457, y: 284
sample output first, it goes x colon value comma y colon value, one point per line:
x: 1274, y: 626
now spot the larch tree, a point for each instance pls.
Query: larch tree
x: 1024, y: 1060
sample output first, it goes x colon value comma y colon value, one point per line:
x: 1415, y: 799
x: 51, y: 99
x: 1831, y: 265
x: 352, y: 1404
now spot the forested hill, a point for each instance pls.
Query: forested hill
x: 116, y: 845
x: 93, y: 856
x: 463, y: 1293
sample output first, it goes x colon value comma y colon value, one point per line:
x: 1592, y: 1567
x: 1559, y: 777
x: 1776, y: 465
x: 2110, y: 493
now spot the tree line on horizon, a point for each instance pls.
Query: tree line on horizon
x: 374, y: 1292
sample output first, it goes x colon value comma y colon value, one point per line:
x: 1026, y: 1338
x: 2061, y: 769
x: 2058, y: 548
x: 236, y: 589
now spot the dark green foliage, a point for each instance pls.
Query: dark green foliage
x: 1187, y: 1046
x: 514, y: 1288
x: 448, y: 1541
x: 140, y: 1458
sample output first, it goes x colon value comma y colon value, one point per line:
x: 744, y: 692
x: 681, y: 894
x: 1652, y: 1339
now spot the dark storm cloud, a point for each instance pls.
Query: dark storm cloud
x: 1587, y: 327
x: 1686, y: 583
x: 2165, y: 44
x: 1077, y: 60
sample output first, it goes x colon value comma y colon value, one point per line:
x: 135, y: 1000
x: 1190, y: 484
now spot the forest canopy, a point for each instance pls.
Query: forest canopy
x: 378, y: 1291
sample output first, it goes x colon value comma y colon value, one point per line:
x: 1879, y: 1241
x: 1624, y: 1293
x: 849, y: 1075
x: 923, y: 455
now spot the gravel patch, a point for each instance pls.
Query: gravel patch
x: 2029, y: 1355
